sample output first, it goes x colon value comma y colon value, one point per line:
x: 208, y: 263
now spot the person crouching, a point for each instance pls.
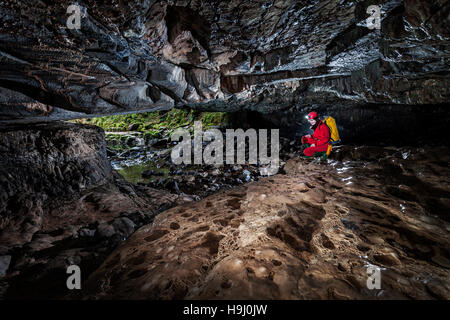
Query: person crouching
x: 318, y: 141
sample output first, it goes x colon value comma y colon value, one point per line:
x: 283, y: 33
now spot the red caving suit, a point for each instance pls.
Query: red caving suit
x: 320, y: 138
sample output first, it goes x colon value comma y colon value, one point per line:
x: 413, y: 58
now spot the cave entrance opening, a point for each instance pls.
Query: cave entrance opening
x: 139, y: 148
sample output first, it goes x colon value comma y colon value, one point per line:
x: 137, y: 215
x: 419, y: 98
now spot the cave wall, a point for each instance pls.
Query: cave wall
x: 39, y: 164
x: 57, y: 176
x: 272, y: 57
x: 61, y: 204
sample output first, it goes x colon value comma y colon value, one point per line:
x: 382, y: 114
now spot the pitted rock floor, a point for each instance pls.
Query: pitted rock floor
x: 309, y: 234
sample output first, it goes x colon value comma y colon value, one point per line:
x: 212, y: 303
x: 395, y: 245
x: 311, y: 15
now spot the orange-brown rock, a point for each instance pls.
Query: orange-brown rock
x: 310, y: 234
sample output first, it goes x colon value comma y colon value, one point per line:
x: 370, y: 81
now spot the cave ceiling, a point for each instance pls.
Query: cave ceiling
x: 141, y: 55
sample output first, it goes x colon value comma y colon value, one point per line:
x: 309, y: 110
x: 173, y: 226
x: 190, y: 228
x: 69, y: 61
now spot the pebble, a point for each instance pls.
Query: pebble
x: 105, y: 230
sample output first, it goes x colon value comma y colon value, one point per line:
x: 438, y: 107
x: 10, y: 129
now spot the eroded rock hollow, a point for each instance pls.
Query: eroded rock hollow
x: 303, y: 235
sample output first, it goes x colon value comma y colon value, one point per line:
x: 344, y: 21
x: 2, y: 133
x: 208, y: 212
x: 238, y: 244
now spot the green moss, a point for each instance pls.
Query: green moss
x: 152, y: 123
x: 134, y: 173
x: 117, y: 142
x: 151, y: 134
x: 211, y: 119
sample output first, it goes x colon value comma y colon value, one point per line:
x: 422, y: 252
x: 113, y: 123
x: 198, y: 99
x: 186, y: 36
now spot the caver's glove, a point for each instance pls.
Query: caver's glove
x: 303, y: 147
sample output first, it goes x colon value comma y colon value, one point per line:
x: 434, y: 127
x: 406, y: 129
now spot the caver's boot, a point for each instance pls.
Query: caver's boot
x: 322, y: 155
x: 303, y: 147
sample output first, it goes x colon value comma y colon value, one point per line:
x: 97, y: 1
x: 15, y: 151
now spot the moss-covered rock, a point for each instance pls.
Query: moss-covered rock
x: 159, y: 123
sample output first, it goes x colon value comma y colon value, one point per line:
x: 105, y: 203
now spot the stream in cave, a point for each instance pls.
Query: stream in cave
x: 153, y: 167
x: 149, y: 163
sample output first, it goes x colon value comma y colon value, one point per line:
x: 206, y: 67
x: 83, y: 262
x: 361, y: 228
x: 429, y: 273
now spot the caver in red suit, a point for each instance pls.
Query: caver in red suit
x: 319, y: 139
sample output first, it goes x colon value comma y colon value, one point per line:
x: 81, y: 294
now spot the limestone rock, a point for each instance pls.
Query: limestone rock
x: 61, y: 203
x: 275, y: 57
x: 310, y: 234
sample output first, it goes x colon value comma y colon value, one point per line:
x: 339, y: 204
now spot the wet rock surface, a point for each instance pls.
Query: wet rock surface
x: 148, y: 162
x: 61, y: 203
x: 311, y: 233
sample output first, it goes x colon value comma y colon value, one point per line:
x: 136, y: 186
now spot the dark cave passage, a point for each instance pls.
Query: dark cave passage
x: 380, y: 125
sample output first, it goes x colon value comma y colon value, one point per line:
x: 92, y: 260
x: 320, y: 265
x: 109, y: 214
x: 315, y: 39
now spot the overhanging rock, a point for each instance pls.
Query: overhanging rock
x: 217, y: 56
